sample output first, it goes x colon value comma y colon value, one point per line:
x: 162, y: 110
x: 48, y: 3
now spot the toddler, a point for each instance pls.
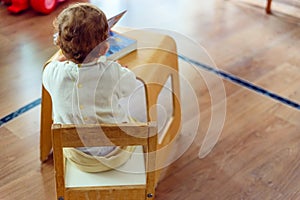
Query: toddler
x: 85, y: 87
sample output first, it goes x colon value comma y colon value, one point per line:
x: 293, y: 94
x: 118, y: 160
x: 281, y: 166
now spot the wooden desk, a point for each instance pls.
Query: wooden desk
x: 153, y: 62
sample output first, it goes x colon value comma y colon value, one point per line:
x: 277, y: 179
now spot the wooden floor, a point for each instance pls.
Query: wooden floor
x: 258, y: 153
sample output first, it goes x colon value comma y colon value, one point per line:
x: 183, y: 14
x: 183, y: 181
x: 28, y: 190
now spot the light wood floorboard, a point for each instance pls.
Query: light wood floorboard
x: 258, y: 153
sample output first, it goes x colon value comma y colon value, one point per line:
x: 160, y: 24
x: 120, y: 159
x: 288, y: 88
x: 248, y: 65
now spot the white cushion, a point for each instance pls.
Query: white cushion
x: 131, y: 173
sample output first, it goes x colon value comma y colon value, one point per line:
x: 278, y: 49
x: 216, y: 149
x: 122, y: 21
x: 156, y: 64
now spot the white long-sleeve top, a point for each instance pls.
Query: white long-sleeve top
x: 88, y: 93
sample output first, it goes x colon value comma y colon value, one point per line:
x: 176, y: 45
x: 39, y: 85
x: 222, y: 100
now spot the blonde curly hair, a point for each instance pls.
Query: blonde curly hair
x: 81, y: 28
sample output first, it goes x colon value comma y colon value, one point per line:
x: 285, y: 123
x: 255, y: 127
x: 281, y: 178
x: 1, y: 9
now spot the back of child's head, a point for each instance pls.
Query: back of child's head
x: 81, y: 28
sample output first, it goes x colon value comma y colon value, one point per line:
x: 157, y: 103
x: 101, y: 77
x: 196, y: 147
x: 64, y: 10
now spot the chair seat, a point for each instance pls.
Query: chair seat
x: 131, y: 173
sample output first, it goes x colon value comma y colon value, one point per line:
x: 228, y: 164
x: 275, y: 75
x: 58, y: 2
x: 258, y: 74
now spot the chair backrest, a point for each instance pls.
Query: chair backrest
x: 91, y: 135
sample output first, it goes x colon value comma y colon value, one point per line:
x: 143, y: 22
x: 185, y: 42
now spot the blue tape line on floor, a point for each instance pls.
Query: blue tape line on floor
x: 243, y: 83
x: 20, y: 111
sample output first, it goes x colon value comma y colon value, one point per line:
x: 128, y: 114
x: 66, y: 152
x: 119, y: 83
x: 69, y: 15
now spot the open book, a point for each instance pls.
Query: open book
x: 120, y: 45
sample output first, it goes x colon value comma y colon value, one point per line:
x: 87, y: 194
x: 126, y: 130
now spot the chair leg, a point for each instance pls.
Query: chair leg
x: 46, y: 122
x: 268, y: 7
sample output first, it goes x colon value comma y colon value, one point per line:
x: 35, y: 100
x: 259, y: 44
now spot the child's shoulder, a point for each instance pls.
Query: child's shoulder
x: 65, y: 68
x: 65, y: 65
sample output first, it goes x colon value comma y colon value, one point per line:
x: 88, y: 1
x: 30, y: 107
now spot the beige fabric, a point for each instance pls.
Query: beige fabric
x: 89, y: 163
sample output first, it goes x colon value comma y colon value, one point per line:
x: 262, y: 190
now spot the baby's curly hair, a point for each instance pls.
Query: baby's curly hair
x: 81, y: 28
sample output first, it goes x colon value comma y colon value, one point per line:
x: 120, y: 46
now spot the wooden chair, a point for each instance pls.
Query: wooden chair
x: 154, y: 50
x: 71, y: 183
